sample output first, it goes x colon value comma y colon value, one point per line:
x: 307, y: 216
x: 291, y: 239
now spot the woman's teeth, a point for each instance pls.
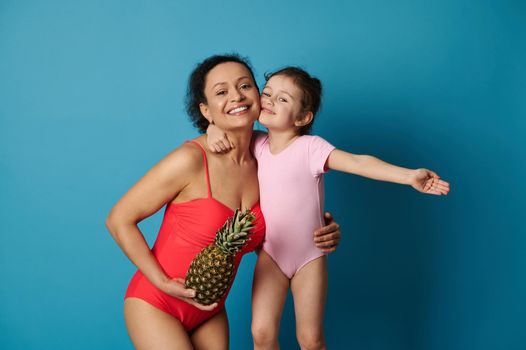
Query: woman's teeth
x: 238, y: 109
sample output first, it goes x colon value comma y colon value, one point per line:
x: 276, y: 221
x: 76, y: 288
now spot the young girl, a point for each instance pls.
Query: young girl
x: 291, y: 164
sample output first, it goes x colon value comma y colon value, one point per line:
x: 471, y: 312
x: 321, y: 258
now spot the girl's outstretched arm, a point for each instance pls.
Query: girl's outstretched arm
x: 422, y: 180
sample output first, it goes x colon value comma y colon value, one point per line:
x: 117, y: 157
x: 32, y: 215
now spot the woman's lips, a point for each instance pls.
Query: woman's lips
x: 238, y: 110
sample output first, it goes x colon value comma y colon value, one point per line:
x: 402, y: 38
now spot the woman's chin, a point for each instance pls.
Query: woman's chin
x: 239, y: 124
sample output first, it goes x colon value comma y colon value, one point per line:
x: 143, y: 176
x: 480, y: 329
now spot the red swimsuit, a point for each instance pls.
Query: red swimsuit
x: 187, y: 228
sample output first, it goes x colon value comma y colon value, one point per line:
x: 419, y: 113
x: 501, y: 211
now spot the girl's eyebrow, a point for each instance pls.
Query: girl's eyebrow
x: 280, y: 91
x: 286, y: 93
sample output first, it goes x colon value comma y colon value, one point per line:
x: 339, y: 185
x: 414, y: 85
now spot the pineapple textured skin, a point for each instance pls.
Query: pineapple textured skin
x: 212, y: 271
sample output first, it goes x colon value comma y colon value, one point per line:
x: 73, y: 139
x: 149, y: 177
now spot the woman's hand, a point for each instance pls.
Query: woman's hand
x: 176, y: 288
x: 217, y: 140
x: 328, y: 237
x: 427, y: 181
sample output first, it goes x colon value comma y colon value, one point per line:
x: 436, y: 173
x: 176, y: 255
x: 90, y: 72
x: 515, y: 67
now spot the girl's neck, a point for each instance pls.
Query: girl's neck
x: 279, y: 140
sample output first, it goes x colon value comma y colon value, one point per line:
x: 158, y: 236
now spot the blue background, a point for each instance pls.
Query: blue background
x: 91, y: 97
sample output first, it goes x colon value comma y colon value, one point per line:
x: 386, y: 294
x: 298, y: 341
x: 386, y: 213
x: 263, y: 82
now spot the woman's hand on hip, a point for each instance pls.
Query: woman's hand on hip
x: 176, y: 288
x: 328, y: 237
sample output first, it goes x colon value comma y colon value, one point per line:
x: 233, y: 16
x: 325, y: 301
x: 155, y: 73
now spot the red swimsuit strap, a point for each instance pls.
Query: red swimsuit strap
x: 205, y: 162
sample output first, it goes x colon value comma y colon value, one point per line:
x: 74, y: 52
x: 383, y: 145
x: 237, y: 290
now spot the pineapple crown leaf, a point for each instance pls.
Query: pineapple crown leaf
x: 235, y: 232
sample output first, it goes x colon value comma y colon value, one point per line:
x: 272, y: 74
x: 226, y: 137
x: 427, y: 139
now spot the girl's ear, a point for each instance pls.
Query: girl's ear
x: 205, y: 112
x: 305, y: 120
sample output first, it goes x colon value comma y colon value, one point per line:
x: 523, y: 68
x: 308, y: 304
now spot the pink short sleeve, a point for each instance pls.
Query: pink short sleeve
x: 258, y: 139
x: 319, y: 151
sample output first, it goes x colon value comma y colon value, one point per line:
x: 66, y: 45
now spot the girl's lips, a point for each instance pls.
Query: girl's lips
x: 267, y: 111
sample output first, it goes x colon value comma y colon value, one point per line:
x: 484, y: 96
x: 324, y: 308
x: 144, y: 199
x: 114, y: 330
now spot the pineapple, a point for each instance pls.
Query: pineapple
x: 212, y: 270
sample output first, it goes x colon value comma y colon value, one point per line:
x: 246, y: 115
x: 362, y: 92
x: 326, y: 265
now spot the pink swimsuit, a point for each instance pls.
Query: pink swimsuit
x: 291, y: 198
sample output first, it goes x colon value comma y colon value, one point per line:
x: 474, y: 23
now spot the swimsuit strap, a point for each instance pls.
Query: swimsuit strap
x: 205, y: 162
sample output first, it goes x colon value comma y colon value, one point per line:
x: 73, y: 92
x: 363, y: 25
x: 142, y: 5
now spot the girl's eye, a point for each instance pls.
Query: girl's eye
x: 266, y: 94
x: 281, y: 99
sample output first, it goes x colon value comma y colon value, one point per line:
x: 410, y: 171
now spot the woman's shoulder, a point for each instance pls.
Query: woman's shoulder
x: 186, y: 156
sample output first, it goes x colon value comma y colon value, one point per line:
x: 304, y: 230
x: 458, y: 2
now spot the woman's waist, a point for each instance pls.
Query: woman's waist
x: 177, y: 239
x: 176, y: 260
x: 177, y: 266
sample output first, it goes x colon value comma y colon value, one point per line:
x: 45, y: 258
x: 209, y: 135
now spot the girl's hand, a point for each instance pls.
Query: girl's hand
x: 217, y: 140
x: 176, y: 288
x: 427, y: 181
x: 328, y: 237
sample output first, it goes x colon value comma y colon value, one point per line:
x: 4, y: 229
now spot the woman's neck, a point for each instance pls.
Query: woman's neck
x: 241, y: 152
x: 279, y: 140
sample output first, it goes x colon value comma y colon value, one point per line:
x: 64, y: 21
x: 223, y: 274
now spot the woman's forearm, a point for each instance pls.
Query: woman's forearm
x: 131, y: 240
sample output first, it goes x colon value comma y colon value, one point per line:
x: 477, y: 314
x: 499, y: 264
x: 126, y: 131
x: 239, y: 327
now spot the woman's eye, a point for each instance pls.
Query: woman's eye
x: 246, y: 86
x: 222, y: 92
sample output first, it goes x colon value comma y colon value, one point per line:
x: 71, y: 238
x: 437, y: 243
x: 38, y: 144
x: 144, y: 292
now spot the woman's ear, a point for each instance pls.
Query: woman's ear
x: 205, y: 112
x: 305, y: 120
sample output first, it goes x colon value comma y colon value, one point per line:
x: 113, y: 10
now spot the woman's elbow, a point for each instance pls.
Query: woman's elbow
x: 112, y: 223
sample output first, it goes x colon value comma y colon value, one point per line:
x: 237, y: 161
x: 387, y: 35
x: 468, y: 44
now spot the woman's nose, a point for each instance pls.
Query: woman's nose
x: 236, y: 96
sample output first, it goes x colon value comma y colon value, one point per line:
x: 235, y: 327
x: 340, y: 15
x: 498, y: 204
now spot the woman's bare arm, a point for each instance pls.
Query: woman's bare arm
x: 156, y: 188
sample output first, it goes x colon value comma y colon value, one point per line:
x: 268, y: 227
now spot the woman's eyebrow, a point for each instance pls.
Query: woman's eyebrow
x: 220, y: 83
x: 224, y: 82
x: 243, y: 77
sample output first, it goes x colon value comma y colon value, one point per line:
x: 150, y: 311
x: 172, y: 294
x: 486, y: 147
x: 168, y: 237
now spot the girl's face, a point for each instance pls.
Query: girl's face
x: 280, y: 104
x: 232, y: 97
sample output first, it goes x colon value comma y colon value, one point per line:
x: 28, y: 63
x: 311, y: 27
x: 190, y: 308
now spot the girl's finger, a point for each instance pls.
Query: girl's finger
x: 434, y: 192
x: 226, y: 143
x: 443, y: 187
x: 434, y: 174
x: 443, y: 183
x: 428, y: 186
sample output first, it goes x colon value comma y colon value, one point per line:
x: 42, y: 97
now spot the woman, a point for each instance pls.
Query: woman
x: 201, y: 190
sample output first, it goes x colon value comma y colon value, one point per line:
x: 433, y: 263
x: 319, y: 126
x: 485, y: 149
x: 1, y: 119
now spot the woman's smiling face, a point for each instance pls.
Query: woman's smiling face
x: 232, y: 97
